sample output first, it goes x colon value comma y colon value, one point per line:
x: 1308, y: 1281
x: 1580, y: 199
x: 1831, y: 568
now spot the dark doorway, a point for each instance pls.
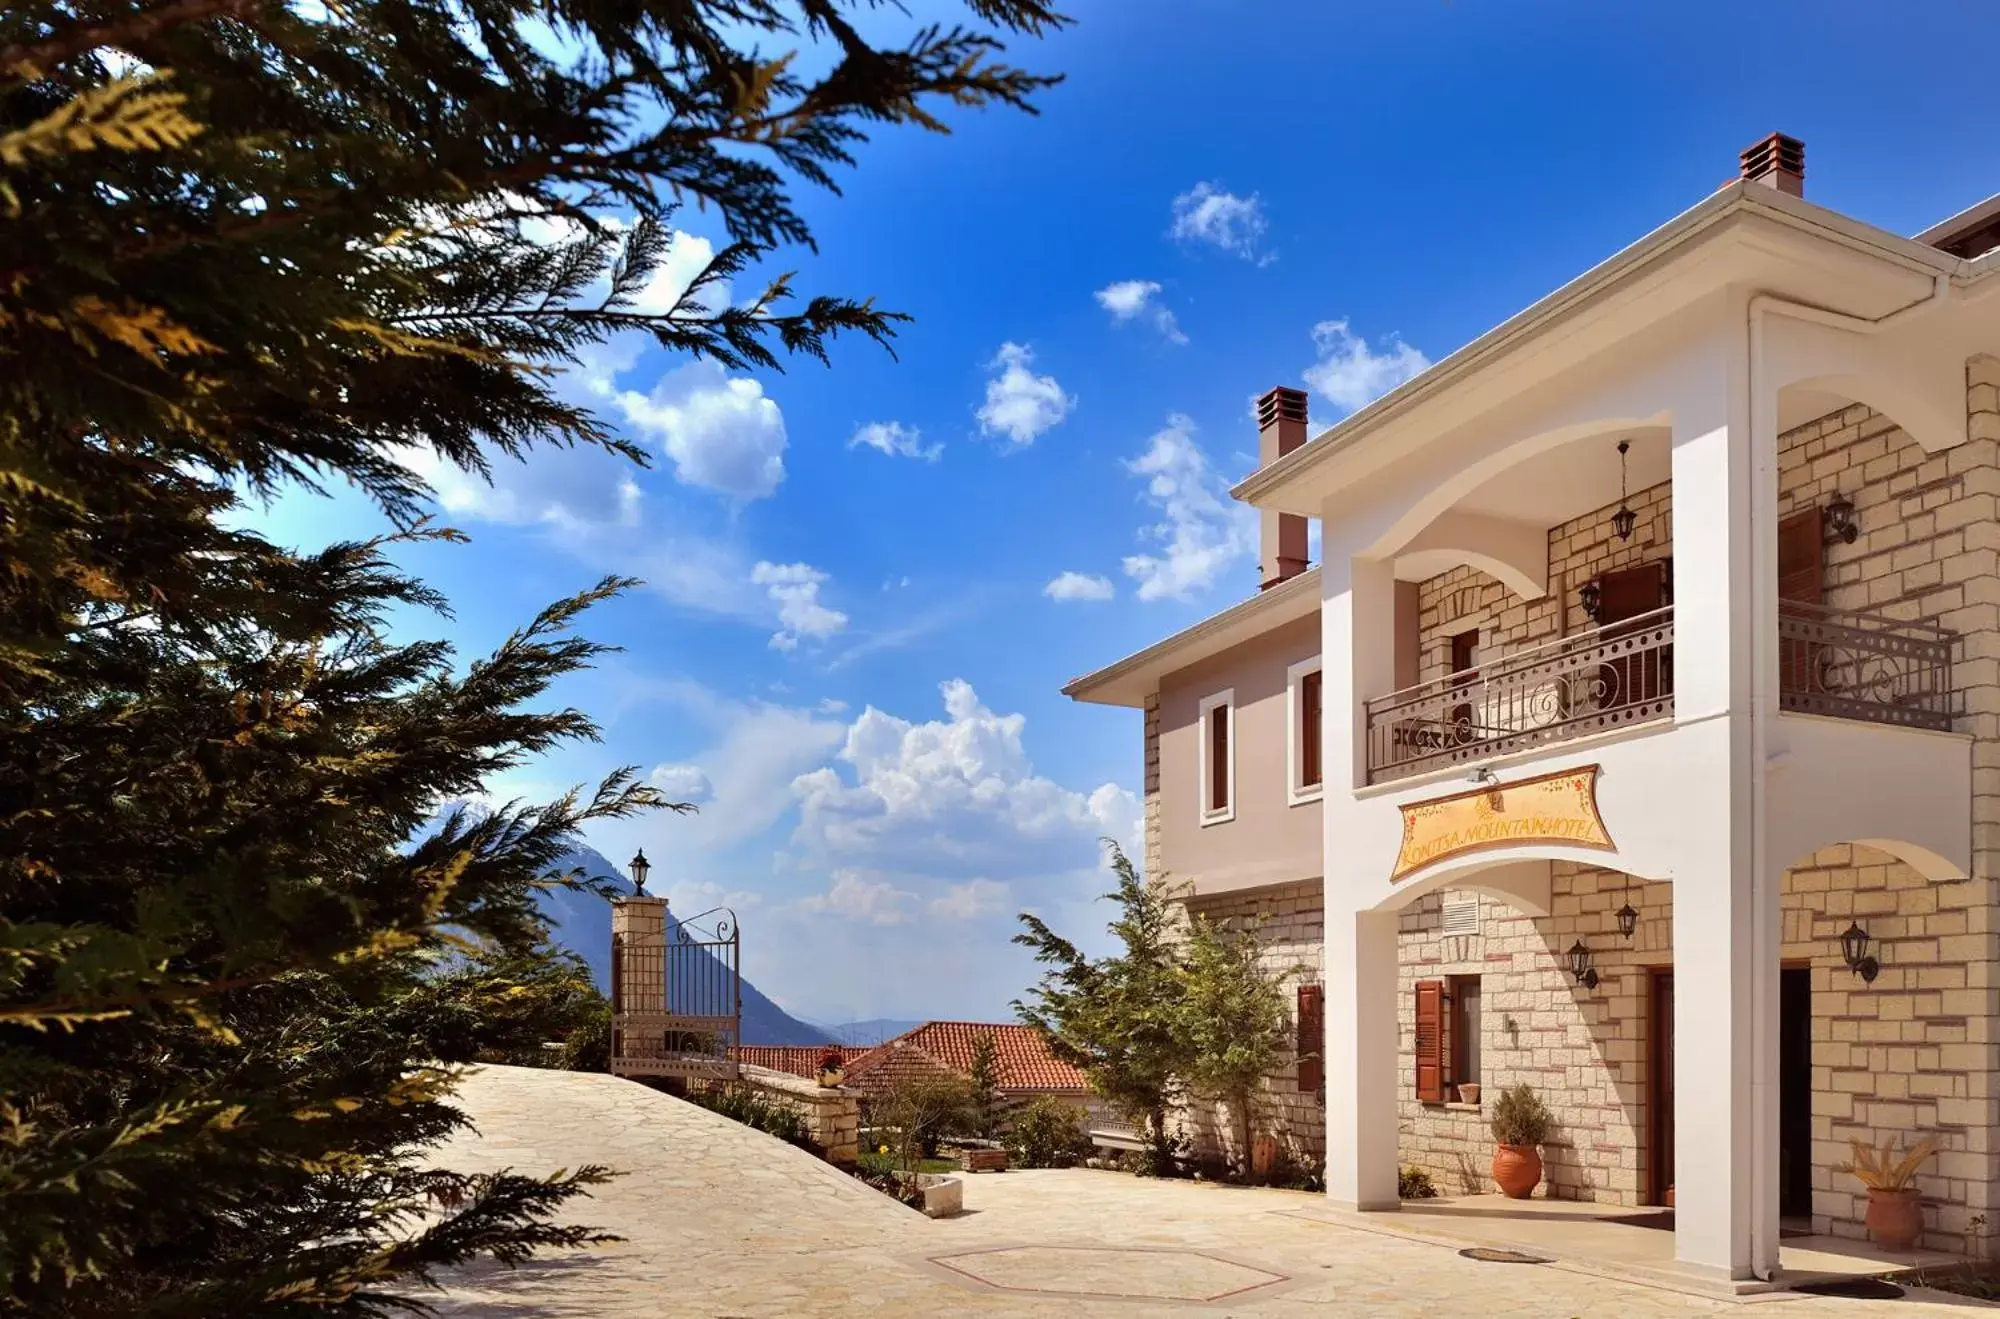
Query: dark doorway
x: 1795, y: 1092
x: 1660, y: 1092
x: 1634, y: 593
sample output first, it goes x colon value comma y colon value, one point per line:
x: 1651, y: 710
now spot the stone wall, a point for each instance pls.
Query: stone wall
x: 832, y: 1114
x: 1288, y: 920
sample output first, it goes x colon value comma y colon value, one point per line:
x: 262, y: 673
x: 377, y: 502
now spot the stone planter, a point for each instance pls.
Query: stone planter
x: 944, y: 1195
x: 1895, y: 1218
x: 1517, y: 1169
x: 1468, y: 1092
x: 831, y: 1077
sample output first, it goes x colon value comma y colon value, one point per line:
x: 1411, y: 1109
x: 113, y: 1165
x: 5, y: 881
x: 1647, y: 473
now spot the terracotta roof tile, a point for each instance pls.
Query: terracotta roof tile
x: 1024, y: 1059
x: 798, y: 1059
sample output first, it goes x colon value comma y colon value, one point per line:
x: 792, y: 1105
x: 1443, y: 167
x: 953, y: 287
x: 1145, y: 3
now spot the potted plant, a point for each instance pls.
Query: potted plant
x: 1895, y: 1206
x: 1521, y: 1122
x: 832, y: 1068
x: 1468, y: 1092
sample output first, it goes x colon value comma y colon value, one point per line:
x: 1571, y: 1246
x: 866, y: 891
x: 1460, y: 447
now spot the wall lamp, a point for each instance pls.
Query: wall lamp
x: 1838, y: 518
x: 1580, y: 967
x: 1591, y: 597
x: 1854, y: 950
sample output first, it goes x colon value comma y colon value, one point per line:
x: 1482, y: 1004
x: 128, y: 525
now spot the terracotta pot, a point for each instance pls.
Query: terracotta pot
x: 1468, y: 1093
x: 831, y: 1078
x: 1895, y: 1218
x: 1263, y: 1155
x: 1518, y: 1170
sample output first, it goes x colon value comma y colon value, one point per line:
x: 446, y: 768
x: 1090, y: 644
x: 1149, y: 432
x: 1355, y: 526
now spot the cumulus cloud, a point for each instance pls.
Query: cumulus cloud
x: 1201, y: 532
x: 720, y: 432
x: 1350, y: 374
x: 794, y: 588
x: 683, y: 783
x: 855, y: 896
x: 1129, y: 299
x: 1079, y: 586
x: 971, y: 900
x: 1206, y: 213
x: 896, y: 440
x: 1020, y: 404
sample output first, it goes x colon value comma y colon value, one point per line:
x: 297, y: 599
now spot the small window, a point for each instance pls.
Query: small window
x: 1303, y: 741
x: 1462, y: 1008
x: 1218, y: 758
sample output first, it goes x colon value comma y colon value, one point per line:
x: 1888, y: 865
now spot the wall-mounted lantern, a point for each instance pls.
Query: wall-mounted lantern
x: 1854, y: 950
x: 1838, y: 517
x: 1591, y: 597
x: 1624, y: 520
x: 1580, y: 967
x: 640, y: 867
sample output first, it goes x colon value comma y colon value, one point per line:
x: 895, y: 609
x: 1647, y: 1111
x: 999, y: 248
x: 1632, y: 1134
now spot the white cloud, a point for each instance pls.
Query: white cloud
x: 681, y: 783
x: 1207, y: 214
x: 1202, y: 532
x: 1020, y: 404
x: 1079, y: 586
x: 896, y: 440
x: 1350, y: 374
x: 856, y: 897
x: 721, y: 433
x: 829, y: 705
x: 794, y: 588
x: 1130, y: 298
x: 970, y: 900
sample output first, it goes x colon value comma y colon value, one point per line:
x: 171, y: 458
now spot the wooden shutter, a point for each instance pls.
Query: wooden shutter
x: 1801, y: 582
x: 1218, y: 758
x: 1430, y: 1041
x: 1309, y: 731
x: 1310, y: 1046
x: 1631, y: 592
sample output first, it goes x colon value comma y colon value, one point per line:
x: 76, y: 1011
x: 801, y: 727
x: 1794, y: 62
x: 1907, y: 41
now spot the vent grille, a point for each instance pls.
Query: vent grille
x: 1461, y: 913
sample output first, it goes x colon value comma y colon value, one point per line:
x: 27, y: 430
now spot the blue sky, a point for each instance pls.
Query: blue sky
x: 848, y: 654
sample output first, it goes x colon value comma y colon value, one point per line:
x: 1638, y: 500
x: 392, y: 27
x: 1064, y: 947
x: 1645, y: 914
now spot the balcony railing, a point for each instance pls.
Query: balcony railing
x: 1830, y: 662
x: 1864, y: 666
x: 1609, y: 677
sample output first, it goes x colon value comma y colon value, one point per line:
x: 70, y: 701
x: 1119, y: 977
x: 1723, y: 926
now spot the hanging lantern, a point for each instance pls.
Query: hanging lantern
x: 1628, y: 920
x: 1624, y: 521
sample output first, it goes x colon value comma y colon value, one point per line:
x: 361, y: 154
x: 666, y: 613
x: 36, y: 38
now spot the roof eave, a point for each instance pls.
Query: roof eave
x: 1129, y: 680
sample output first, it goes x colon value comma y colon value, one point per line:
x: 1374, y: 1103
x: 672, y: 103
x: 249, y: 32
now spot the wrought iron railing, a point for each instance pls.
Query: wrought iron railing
x: 1609, y: 677
x: 1864, y: 666
x: 679, y: 1003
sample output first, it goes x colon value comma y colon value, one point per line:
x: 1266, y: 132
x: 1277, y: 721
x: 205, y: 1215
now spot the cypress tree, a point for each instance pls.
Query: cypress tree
x: 247, y: 245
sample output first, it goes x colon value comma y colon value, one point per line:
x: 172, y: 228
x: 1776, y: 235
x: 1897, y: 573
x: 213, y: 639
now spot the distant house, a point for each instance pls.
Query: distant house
x: 797, y: 1059
x: 1026, y: 1068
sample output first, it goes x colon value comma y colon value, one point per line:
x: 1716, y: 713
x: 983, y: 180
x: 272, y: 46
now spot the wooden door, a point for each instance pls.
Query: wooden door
x: 1632, y: 679
x: 1464, y: 673
x: 1660, y: 1091
x: 1801, y: 588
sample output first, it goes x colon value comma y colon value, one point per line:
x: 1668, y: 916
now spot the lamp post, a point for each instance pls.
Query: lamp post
x: 640, y: 867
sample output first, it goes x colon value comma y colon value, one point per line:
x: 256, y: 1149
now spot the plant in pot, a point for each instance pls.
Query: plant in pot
x: 1895, y: 1206
x: 832, y: 1068
x: 1521, y: 1122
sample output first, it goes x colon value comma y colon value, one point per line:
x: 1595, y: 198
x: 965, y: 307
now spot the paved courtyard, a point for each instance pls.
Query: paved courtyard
x: 720, y: 1220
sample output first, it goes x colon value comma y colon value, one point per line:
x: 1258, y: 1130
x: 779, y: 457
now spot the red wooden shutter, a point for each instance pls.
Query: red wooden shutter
x: 1218, y: 758
x: 1309, y: 732
x: 1311, y: 1042
x: 1801, y: 582
x: 1430, y: 1041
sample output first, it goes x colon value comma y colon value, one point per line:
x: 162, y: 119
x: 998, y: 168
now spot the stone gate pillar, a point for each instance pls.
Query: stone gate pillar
x: 638, y: 980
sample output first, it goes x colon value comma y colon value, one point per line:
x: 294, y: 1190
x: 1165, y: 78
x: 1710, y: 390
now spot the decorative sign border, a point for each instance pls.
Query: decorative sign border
x: 1566, y: 813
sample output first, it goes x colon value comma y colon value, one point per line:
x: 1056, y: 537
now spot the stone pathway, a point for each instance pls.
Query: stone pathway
x: 720, y: 1220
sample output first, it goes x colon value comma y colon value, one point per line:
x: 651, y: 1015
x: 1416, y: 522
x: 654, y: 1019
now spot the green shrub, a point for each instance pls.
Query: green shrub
x: 755, y: 1111
x: 1047, y: 1133
x: 1165, y: 1154
x: 1415, y: 1184
x: 1520, y: 1117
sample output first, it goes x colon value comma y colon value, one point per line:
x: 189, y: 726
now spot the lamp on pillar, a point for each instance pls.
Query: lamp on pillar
x: 1854, y: 951
x: 1624, y: 520
x: 640, y: 867
x: 1580, y: 967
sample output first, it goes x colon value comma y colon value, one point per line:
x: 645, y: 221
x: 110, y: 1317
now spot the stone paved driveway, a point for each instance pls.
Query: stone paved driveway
x: 720, y: 1220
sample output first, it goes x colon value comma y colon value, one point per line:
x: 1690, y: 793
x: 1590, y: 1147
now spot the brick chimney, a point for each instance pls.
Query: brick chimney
x: 1281, y: 428
x: 1776, y: 162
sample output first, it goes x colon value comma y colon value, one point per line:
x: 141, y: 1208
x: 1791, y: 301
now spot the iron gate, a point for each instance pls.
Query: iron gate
x: 680, y: 1001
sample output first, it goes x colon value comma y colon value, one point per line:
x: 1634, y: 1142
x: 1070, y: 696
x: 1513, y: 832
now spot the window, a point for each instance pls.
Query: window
x: 1218, y: 758
x: 1302, y: 742
x: 1447, y: 1037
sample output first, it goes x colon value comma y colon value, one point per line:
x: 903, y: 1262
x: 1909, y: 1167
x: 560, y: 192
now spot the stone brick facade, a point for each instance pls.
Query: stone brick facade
x: 1288, y: 920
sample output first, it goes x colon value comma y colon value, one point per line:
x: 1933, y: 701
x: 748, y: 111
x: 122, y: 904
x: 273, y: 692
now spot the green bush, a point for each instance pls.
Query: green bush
x: 1165, y: 1154
x: 1520, y: 1117
x: 757, y: 1112
x: 1047, y: 1133
x: 1415, y: 1184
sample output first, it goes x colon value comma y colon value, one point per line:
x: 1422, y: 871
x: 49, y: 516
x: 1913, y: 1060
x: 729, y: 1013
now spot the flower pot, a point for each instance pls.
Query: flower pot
x: 1468, y: 1092
x: 831, y: 1077
x: 1895, y: 1218
x: 1518, y: 1170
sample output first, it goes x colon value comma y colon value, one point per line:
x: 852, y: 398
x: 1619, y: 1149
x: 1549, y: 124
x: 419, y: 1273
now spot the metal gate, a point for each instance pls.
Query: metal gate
x: 679, y: 1001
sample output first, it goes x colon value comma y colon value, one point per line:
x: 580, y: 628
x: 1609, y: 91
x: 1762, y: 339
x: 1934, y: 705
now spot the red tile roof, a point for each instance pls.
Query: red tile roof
x: 1024, y: 1059
x: 798, y: 1059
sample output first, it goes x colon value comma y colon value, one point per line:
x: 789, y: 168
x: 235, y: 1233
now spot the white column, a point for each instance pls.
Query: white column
x: 1726, y: 944
x: 1357, y: 657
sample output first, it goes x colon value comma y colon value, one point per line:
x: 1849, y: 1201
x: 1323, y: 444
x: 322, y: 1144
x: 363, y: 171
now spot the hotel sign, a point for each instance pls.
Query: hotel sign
x: 1555, y: 808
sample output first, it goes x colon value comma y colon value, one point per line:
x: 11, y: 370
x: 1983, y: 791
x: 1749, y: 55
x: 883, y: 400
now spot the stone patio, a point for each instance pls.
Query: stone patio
x: 722, y: 1220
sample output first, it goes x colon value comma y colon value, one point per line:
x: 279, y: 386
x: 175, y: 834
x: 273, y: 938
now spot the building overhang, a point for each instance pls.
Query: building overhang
x: 1131, y: 680
x: 1745, y: 235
